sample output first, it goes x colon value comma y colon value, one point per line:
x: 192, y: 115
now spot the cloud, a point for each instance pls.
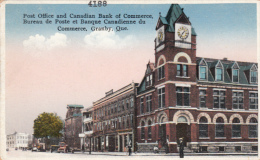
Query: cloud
x: 39, y: 42
x: 108, y: 40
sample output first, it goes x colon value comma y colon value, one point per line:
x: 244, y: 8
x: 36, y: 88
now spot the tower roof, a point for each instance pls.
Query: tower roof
x: 174, y: 13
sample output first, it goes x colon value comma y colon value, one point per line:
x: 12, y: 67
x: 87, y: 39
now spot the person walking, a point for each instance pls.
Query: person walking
x: 129, y: 148
x: 83, y: 148
x: 181, y: 148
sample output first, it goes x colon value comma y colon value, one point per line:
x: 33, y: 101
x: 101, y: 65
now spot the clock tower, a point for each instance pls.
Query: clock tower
x: 175, y: 43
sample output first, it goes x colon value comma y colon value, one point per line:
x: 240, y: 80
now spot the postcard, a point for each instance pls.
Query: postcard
x: 129, y: 79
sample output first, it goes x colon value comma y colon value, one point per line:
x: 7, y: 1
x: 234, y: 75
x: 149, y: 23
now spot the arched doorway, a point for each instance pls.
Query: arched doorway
x: 183, y: 130
x: 162, y: 133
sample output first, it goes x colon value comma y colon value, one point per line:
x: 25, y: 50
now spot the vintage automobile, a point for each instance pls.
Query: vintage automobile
x: 54, y: 148
x: 63, y: 147
x: 34, y: 149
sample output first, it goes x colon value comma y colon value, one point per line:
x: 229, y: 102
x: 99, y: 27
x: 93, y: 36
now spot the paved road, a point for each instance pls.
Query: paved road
x: 24, y: 155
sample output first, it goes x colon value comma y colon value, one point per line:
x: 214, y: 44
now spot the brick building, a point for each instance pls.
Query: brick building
x: 73, y: 125
x: 87, y: 128
x: 211, y: 103
x: 113, y: 120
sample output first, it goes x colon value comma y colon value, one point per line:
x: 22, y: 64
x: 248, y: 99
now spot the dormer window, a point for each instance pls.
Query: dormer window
x: 235, y: 75
x: 149, y: 80
x: 253, y: 74
x: 235, y: 72
x: 203, y: 70
x: 219, y: 71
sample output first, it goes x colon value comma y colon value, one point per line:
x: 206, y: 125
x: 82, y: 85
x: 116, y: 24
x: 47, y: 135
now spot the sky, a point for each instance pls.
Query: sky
x: 47, y: 69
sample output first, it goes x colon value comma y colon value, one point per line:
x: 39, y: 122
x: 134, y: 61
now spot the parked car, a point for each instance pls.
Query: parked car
x: 54, y: 148
x: 63, y: 147
x: 34, y: 149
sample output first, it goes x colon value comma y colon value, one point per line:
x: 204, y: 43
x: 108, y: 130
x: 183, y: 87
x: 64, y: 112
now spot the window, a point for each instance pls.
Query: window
x: 237, y: 99
x: 236, y: 128
x: 183, y: 96
x: 254, y: 148
x: 141, y: 105
x: 127, y: 104
x: 142, y: 130
x: 132, y: 120
x: 149, y: 103
x: 253, y: 130
x: 118, y: 107
x: 161, y: 97
x: 178, y: 70
x: 123, y: 105
x: 161, y: 72
x: 235, y: 75
x: 237, y: 148
x: 219, y: 75
x: 219, y: 99
x: 221, y: 148
x: 182, y: 70
x: 253, y: 76
x: 253, y: 100
x: 149, y: 80
x: 203, y: 148
x: 202, y: 97
x: 202, y: 74
x: 203, y: 127
x: 131, y: 102
x: 149, y: 129
x: 220, y: 127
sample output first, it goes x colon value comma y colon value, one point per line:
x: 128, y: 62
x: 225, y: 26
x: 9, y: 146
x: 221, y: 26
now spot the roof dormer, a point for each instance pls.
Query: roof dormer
x: 203, y: 70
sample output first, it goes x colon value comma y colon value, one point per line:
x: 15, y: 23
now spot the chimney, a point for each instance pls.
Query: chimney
x: 225, y: 59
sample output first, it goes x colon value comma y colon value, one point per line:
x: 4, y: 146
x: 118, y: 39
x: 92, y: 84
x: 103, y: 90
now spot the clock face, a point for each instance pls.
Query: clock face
x: 160, y: 36
x: 183, y: 32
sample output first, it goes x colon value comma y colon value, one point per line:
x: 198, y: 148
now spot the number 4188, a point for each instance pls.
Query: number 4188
x: 97, y: 3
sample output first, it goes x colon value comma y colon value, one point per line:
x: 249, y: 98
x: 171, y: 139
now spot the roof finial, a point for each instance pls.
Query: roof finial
x: 182, y: 9
x: 159, y: 14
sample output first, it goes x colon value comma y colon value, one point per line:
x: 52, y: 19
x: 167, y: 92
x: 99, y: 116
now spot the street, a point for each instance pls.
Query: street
x: 15, y: 155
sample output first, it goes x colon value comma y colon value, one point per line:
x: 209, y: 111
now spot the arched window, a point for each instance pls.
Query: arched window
x: 142, y: 130
x: 220, y: 127
x: 236, y: 128
x: 253, y: 128
x: 203, y: 127
x: 182, y: 119
x: 149, y: 129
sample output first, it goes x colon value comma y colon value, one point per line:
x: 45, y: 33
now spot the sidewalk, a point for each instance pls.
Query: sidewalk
x: 169, y: 154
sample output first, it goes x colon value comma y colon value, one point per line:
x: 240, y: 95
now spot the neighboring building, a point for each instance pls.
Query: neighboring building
x: 211, y: 103
x: 87, y: 128
x: 114, y: 122
x: 73, y: 125
x: 19, y: 140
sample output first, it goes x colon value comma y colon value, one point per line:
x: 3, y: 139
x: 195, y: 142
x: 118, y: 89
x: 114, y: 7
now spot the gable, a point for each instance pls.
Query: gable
x: 235, y: 66
x: 183, y: 19
x: 148, y: 70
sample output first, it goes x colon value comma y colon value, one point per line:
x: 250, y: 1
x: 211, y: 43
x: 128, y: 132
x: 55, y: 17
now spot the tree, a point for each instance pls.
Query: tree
x: 47, y: 125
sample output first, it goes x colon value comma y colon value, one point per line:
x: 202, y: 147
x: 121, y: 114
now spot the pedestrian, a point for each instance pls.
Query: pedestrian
x: 181, y: 148
x: 83, y: 148
x: 129, y: 148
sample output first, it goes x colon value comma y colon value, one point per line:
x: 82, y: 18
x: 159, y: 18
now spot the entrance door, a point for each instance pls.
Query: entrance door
x: 111, y: 143
x: 162, y: 135
x: 183, y: 131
